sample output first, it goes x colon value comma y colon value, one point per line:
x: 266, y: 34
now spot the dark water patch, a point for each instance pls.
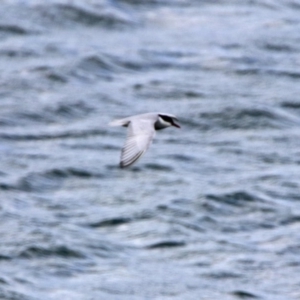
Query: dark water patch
x: 111, y: 222
x: 239, y: 198
x: 275, y: 158
x: 207, y: 221
x: 158, y: 167
x: 85, y: 14
x: 189, y: 225
x: 168, y: 60
x: 73, y: 172
x: 222, y: 275
x: 50, y: 180
x: 290, y: 220
x: 120, y: 220
x: 135, y: 2
x: 292, y: 249
x: 240, y: 294
x: 166, y: 244
x: 38, y: 182
x: 294, y: 4
x: 264, y: 71
x: 136, y: 66
x: 18, y: 53
x: 254, y: 65
x: 97, y: 63
x: 144, y: 215
x: 248, y: 71
x: 26, y: 117
x: 174, y: 211
x: 6, y: 186
x: 151, y: 60
x: 230, y: 46
x: 181, y: 157
x: 5, y: 257
x: 182, y: 201
x: 55, y: 75
x: 247, y: 61
x: 104, y: 248
x: 12, y: 29
x: 285, y: 73
x: 177, y: 3
x: 20, y: 84
x: 278, y: 47
x: 135, y: 169
x: 246, y: 118
x: 12, y: 295
x: 193, y: 94
x: 177, y: 54
x: 93, y: 146
x: 51, y: 136
x: 114, y: 167
x: 247, y: 225
x: 291, y: 104
x: 72, y: 110
x: 214, y: 207
x: 76, y: 172
x: 57, y: 251
x: 3, y: 281
x: 167, y: 92
x: 104, y: 66
x: 144, y: 63
x: 91, y: 15
x: 62, y: 112
x: 110, y: 147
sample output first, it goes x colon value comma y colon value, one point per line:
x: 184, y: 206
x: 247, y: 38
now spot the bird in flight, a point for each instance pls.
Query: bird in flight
x: 141, y: 131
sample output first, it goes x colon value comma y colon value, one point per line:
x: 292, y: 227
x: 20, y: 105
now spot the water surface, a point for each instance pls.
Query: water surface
x: 211, y: 211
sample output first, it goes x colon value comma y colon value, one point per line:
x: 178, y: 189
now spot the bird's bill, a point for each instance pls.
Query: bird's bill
x: 175, y: 125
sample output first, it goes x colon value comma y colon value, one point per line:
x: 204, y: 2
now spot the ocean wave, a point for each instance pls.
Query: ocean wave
x: 48, y: 180
x: 34, y: 251
x: 246, y: 118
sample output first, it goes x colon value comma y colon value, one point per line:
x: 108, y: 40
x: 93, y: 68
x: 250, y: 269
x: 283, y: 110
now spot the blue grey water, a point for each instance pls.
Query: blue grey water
x: 212, y: 211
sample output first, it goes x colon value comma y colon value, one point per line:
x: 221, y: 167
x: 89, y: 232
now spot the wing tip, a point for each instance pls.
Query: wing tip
x: 131, y: 161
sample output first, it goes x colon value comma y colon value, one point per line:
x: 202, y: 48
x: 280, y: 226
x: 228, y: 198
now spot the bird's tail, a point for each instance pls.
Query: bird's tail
x: 120, y: 122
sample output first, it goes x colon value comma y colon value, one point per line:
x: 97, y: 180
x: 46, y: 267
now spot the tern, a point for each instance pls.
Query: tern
x: 141, y: 131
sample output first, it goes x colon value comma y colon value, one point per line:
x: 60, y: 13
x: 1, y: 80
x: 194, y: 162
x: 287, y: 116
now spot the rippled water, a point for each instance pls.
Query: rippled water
x: 211, y: 211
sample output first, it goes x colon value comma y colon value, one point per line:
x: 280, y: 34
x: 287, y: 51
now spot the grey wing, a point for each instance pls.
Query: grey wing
x: 139, y: 138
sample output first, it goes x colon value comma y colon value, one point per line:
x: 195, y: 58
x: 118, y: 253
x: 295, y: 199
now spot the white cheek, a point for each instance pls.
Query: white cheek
x: 164, y: 123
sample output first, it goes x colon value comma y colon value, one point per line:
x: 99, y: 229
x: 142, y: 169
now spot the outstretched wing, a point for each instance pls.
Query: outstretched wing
x: 139, y: 138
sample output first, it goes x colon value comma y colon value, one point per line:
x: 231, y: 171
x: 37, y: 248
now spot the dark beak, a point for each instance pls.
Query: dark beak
x: 175, y: 125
